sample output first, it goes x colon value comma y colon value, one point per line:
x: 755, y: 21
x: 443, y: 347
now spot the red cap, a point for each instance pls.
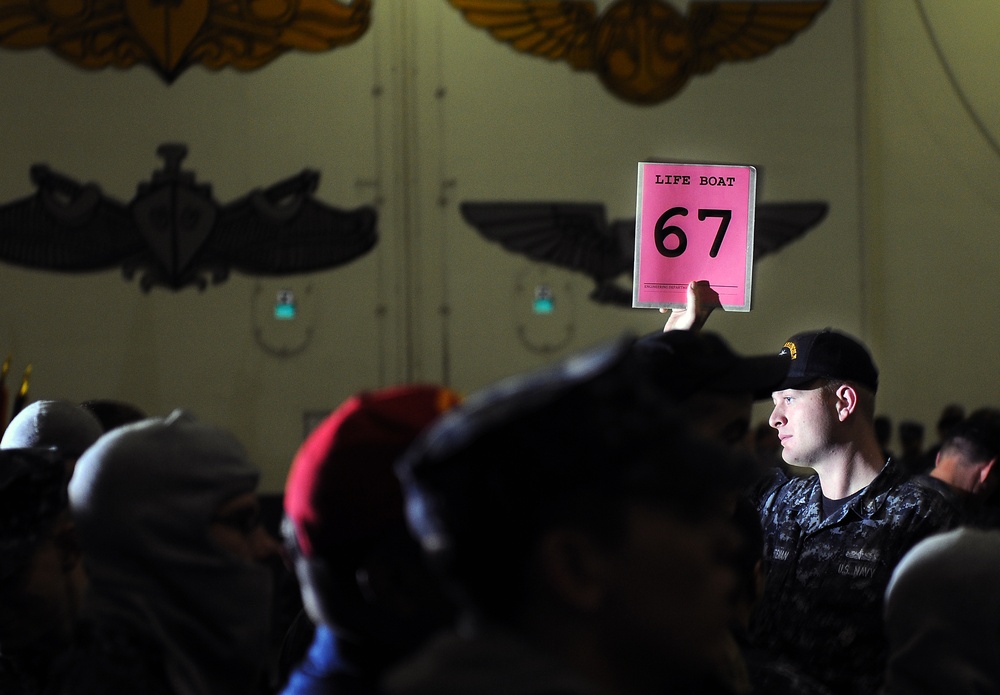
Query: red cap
x: 341, y: 487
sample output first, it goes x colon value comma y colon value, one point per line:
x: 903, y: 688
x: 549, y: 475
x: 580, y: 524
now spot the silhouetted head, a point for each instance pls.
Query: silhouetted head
x: 169, y: 522
x: 576, y: 497
x: 716, y: 386
x: 951, y: 415
x: 360, y: 571
x: 112, y: 413
x: 974, y: 444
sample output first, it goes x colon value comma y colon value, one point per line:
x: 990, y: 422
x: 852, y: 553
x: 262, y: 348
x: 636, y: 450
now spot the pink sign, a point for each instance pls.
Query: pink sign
x: 693, y: 222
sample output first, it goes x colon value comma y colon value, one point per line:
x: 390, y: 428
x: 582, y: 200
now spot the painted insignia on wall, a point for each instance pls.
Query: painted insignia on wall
x: 577, y: 236
x: 172, y: 35
x: 175, y: 233
x: 644, y: 51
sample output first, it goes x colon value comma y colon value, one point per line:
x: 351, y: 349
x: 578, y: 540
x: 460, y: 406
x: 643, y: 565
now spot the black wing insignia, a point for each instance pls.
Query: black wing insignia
x: 577, y: 236
x: 66, y: 226
x: 174, y: 234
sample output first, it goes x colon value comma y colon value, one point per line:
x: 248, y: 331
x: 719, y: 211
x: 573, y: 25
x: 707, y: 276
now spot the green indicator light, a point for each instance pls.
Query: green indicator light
x: 284, y: 305
x: 545, y: 301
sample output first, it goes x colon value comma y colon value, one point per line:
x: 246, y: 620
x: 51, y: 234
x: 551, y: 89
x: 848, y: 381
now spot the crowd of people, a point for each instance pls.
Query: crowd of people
x: 602, y: 525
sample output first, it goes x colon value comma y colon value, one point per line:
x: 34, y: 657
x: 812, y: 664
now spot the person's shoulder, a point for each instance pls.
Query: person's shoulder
x: 782, y: 488
x: 925, y: 499
x: 922, y: 489
x: 929, y: 486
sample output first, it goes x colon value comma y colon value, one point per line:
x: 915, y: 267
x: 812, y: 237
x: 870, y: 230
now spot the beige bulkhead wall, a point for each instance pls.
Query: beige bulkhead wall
x: 933, y: 167
x: 425, y: 112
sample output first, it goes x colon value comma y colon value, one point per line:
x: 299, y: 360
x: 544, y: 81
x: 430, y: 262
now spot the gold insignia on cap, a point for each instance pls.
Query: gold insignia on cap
x: 790, y: 347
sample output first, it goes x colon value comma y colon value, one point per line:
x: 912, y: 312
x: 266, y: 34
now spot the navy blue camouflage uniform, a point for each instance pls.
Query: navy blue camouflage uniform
x: 825, y: 579
x: 971, y: 508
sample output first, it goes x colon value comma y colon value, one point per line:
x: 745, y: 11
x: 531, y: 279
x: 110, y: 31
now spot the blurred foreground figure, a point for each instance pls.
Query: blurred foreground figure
x: 363, y: 579
x: 168, y: 520
x: 42, y: 581
x: 942, y: 616
x: 584, y: 532
x: 713, y: 387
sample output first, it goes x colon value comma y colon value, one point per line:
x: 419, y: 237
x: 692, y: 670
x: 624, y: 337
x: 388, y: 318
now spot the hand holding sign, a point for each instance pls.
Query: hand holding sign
x: 701, y: 302
x: 694, y: 222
